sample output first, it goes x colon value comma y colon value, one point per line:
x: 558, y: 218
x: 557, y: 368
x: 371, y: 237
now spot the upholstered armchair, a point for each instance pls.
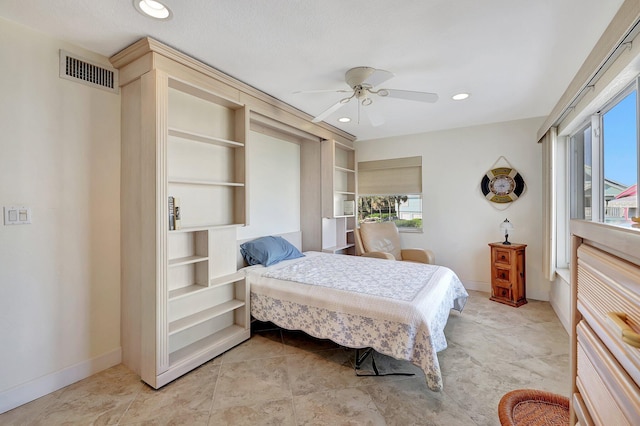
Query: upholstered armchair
x: 382, y: 240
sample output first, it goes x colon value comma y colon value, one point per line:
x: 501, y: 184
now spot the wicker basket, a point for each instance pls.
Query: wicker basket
x: 533, y: 408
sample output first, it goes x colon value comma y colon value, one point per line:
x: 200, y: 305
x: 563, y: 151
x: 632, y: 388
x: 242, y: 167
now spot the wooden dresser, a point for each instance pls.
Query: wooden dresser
x: 508, y: 277
x: 605, y: 316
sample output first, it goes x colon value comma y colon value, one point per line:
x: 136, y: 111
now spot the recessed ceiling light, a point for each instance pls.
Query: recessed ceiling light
x: 344, y: 119
x: 152, y: 8
x: 460, y: 96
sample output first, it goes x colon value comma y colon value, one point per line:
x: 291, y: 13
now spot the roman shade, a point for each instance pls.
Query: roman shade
x: 390, y: 177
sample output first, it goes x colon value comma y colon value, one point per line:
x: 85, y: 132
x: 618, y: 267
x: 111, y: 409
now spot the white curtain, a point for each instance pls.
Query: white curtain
x: 549, y: 142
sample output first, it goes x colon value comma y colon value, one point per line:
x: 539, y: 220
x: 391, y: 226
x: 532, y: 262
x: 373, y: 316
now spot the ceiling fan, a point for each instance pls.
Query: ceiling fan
x: 364, y: 82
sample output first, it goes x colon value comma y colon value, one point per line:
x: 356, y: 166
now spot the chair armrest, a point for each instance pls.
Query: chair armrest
x: 419, y: 255
x: 379, y: 255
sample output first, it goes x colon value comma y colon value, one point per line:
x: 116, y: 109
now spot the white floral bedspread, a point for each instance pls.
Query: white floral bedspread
x: 399, y: 309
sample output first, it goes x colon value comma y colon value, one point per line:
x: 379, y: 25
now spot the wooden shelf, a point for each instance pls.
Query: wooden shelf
x: 187, y: 260
x: 203, y: 182
x: 344, y: 147
x: 185, y: 291
x: 202, y: 93
x: 342, y: 169
x: 202, y: 316
x: 215, y: 282
x: 205, y: 228
x: 203, y: 344
x: 337, y: 248
x: 227, y: 279
x: 198, y: 137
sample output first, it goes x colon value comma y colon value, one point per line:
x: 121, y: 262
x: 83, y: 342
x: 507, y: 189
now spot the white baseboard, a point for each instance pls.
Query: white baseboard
x: 27, y: 392
x: 478, y: 286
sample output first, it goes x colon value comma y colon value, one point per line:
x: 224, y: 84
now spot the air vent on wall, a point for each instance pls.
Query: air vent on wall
x: 81, y: 70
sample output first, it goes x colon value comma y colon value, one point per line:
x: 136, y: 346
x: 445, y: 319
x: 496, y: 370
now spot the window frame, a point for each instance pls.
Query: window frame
x: 566, y: 202
x: 391, y: 177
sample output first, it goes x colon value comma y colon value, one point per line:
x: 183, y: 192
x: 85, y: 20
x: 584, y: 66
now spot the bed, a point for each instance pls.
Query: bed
x: 398, y: 309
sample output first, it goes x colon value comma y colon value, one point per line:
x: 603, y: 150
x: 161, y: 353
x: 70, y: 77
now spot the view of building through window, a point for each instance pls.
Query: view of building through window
x: 404, y: 210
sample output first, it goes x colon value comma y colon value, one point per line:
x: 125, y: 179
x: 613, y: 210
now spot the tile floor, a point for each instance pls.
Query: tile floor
x: 287, y: 378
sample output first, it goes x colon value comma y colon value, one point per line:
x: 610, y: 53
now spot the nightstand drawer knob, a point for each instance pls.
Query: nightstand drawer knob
x: 502, y: 275
x: 503, y: 257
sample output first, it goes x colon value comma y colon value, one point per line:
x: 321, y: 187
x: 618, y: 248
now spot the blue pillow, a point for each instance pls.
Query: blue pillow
x: 268, y: 251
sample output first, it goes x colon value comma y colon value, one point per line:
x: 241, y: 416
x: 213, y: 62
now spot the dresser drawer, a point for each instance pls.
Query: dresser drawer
x: 610, y: 396
x: 609, y: 299
x: 582, y: 415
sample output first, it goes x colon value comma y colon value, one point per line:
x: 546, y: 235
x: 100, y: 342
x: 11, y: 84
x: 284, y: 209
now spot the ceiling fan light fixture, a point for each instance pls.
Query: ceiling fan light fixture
x: 364, y: 82
x: 153, y: 9
x: 460, y: 96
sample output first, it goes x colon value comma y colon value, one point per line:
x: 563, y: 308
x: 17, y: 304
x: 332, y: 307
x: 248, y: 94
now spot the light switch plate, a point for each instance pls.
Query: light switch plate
x: 17, y: 215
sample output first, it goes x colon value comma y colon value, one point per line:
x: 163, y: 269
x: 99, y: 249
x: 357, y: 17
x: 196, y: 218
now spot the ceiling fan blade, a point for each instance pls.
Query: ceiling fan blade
x: 324, y: 91
x: 411, y: 95
x: 378, y: 77
x: 327, y: 112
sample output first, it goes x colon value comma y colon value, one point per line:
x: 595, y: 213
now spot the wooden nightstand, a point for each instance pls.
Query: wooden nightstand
x: 508, y: 278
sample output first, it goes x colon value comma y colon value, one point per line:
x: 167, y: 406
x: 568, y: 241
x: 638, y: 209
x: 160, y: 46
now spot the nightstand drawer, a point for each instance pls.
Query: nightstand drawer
x: 502, y: 291
x: 502, y: 257
x: 502, y: 274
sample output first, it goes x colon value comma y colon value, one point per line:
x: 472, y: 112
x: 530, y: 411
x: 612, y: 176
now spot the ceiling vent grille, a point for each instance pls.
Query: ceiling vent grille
x: 81, y: 70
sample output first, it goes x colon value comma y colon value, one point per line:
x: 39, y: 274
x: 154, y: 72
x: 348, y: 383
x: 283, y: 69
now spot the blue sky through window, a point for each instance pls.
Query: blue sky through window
x: 620, y: 144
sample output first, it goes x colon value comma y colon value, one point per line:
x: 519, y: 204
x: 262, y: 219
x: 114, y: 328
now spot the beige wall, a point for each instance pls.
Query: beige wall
x: 458, y: 221
x: 60, y: 275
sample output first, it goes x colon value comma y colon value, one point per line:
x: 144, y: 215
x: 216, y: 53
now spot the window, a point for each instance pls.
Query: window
x: 391, y: 190
x: 620, y: 162
x: 604, y: 163
x: 581, y: 165
x: 405, y: 210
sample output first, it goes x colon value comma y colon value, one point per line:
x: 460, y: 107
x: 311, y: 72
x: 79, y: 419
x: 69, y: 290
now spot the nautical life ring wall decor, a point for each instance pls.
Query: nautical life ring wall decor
x: 502, y: 185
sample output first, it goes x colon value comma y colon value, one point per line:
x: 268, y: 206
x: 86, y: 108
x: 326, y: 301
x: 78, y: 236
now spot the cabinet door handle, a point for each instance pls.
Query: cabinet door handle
x: 502, y: 275
x: 503, y: 257
x: 628, y: 335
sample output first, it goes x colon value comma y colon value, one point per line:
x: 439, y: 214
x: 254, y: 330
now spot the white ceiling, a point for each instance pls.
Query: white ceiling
x: 515, y: 57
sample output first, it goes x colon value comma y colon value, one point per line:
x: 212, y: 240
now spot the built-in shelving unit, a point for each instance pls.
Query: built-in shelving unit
x: 338, y: 197
x: 184, y: 302
x: 184, y: 134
